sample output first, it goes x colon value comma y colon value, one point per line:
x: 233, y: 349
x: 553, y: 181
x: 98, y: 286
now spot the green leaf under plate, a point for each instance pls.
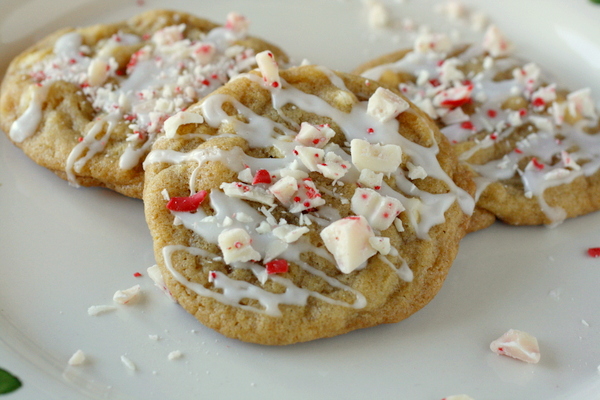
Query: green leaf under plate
x: 8, y: 382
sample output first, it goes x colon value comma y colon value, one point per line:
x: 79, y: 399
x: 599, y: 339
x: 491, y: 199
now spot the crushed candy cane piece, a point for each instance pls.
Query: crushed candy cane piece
x: 370, y: 179
x: 125, y: 296
x: 348, y: 240
x: 315, y: 136
x: 268, y: 68
x: 187, y: 204
x: 580, y: 103
x: 375, y: 157
x: 594, y: 252
x: 289, y: 233
x: 77, y: 358
x: 310, y: 156
x: 333, y: 166
x: 519, y: 345
x: 307, y: 197
x: 284, y: 189
x: 261, y: 176
x: 278, y: 266
x: 236, y: 245
x: 380, y: 211
x: 97, y: 310
x: 381, y: 244
x: 495, y: 42
x: 173, y: 123
x: 386, y: 105
x: 242, y: 191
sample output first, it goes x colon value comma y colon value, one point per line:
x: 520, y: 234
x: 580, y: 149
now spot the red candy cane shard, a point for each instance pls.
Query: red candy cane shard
x: 186, y: 204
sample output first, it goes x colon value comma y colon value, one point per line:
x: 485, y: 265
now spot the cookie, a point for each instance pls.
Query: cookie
x: 302, y: 204
x: 88, y: 103
x: 534, y: 146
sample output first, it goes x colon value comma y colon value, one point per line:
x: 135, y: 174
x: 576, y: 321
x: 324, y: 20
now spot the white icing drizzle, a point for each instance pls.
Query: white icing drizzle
x: 167, y: 74
x: 27, y: 124
x: 424, y: 209
x: 552, y: 138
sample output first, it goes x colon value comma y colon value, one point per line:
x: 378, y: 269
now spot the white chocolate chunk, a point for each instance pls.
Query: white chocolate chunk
x: 519, y: 345
x: 289, y: 233
x: 307, y: 197
x: 97, y: 72
x: 284, y: 189
x: 386, y: 105
x: 495, y: 42
x: 529, y: 74
x: 547, y: 94
x: 77, y: 358
x: 376, y: 157
x: 348, y: 240
x: 156, y: 275
x: 370, y: 179
x: 333, y: 166
x: 268, y: 68
x: 380, y: 211
x: 449, y: 71
x: 236, y: 245
x: 416, y: 171
x: 242, y: 191
x: 181, y: 118
x: 125, y: 296
x: 381, y: 244
x: 310, y: 156
x: 246, y: 176
x: 315, y: 136
x: 580, y: 103
x: 274, y: 249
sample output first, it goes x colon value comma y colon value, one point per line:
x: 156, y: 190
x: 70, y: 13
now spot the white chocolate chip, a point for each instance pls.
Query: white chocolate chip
x: 370, y: 179
x: 333, y: 166
x: 348, y: 240
x: 242, y: 191
x: 376, y: 157
x: 385, y: 105
x: 268, y: 68
x: 380, y: 211
x: 310, y: 156
x: 236, y: 245
x: 284, y: 189
x: 315, y: 136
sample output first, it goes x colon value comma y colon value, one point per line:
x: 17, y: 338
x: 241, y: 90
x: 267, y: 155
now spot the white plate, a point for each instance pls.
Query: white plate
x: 64, y: 249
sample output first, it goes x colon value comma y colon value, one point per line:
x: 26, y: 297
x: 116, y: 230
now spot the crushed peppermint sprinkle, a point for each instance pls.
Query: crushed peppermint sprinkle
x: 186, y: 204
x: 167, y: 73
x: 594, y: 252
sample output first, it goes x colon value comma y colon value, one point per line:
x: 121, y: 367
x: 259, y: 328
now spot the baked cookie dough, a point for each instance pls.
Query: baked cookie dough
x: 88, y: 103
x: 534, y: 146
x: 302, y: 204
